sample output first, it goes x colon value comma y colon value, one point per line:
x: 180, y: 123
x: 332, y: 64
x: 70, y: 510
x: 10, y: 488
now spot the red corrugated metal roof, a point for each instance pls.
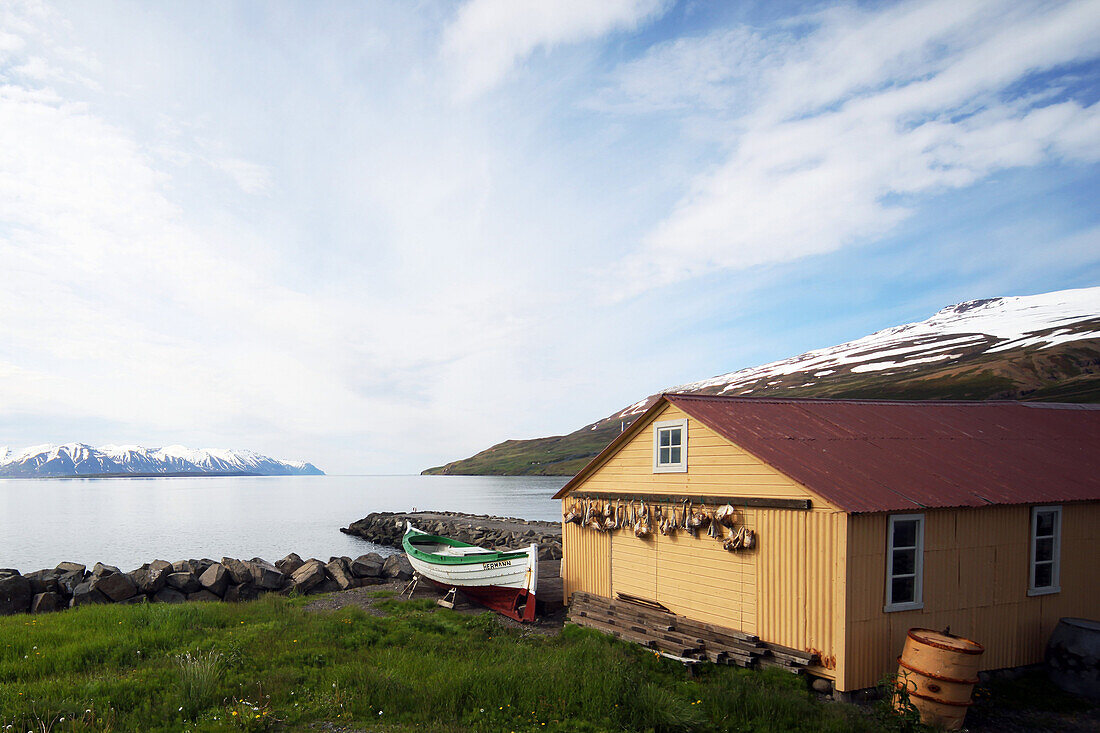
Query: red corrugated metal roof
x: 875, y: 456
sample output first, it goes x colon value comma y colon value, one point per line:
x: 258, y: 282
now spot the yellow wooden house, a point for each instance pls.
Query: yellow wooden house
x: 870, y: 517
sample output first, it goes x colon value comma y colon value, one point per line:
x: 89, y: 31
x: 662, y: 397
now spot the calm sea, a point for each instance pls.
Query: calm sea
x: 130, y: 521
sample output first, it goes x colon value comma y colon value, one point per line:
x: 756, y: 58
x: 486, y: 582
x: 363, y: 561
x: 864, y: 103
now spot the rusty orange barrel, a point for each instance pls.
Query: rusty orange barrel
x: 938, y: 670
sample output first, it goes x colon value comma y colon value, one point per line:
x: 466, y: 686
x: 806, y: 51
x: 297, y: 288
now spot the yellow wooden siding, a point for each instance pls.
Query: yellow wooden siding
x: 716, y: 467
x: 976, y: 565
x: 789, y: 590
x: 586, y: 561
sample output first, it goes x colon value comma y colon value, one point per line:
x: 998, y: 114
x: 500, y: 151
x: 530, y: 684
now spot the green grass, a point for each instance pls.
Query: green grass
x: 271, y: 665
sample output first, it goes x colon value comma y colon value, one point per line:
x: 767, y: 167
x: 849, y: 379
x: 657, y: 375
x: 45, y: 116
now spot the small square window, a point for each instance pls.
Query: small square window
x: 670, y: 446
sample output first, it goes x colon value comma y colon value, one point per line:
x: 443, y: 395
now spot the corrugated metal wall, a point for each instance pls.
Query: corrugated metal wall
x: 586, y: 560
x: 800, y: 565
x: 975, y: 581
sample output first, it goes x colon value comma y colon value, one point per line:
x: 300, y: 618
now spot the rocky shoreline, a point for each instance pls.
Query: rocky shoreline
x: 387, y: 528
x: 72, y: 584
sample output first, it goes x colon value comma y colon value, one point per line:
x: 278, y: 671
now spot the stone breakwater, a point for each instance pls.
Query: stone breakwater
x: 498, y: 533
x: 71, y: 584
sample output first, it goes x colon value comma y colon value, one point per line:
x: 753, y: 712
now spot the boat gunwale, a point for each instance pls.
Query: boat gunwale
x: 475, y: 559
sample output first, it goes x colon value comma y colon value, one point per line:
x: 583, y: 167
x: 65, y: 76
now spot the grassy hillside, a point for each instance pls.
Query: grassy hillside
x: 1065, y: 373
x: 272, y: 665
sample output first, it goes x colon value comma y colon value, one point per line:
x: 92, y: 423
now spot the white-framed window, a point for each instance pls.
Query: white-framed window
x: 904, y: 562
x: 1046, y: 550
x: 670, y: 446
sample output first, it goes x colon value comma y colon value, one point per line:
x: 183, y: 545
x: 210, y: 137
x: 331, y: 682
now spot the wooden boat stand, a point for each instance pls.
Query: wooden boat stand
x: 410, y: 587
x: 448, y: 600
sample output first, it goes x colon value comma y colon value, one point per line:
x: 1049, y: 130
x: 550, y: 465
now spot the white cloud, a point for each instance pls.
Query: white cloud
x: 488, y: 38
x: 827, y: 129
x: 250, y: 177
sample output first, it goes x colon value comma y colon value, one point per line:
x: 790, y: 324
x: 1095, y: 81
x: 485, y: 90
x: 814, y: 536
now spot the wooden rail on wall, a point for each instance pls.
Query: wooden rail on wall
x: 745, y: 501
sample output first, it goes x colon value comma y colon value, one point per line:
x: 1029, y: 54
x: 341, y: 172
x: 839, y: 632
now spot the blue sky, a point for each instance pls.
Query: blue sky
x: 380, y: 236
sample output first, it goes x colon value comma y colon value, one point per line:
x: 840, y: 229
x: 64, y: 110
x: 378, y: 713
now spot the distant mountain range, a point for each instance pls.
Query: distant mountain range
x: 1036, y: 347
x: 77, y: 459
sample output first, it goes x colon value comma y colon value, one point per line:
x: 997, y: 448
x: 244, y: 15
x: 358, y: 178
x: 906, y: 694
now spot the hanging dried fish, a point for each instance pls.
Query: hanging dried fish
x: 750, y: 539
x: 700, y: 519
x: 595, y: 519
x: 685, y: 515
x: 664, y: 521
x: 573, y: 515
x: 713, y: 531
x: 735, y: 539
x: 642, y: 526
x: 726, y: 515
x: 611, y: 513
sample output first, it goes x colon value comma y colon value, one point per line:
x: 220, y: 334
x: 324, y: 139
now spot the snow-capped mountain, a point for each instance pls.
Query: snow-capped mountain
x: 1037, y: 347
x: 78, y: 459
x: 954, y: 334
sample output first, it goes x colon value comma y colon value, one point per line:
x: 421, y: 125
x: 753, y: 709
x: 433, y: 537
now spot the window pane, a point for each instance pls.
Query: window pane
x: 675, y: 453
x: 662, y: 455
x: 905, y: 533
x: 1044, y: 525
x: 902, y: 590
x: 1044, y: 572
x: 665, y: 437
x: 1044, y: 549
x: 905, y: 562
x: 674, y: 434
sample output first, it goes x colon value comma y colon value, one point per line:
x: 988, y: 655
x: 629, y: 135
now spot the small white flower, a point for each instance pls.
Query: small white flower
x: 181, y: 708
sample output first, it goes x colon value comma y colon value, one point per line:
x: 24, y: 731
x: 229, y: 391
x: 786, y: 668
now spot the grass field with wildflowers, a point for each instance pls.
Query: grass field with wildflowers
x: 272, y: 665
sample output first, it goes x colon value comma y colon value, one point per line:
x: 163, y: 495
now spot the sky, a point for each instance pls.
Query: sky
x: 380, y: 236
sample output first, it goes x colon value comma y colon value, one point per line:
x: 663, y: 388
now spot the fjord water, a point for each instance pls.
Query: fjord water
x: 130, y: 521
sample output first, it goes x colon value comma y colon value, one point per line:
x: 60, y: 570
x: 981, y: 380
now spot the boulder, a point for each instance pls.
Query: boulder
x: 44, y: 581
x: 15, y: 594
x: 169, y: 595
x: 139, y: 598
x: 367, y: 566
x: 150, y: 577
x: 215, y: 579
x: 185, y: 582
x: 236, y: 593
x: 116, y: 586
x: 160, y: 565
x: 328, y: 585
x: 201, y: 566
x: 237, y: 570
x: 265, y: 575
x: 8, y: 572
x: 308, y: 576
x: 46, y: 602
x: 202, y: 595
x: 289, y: 564
x: 100, y: 570
x: 397, y: 566
x: 70, y: 580
x: 71, y: 567
x: 339, y: 572
x: 84, y: 594
x: 183, y: 566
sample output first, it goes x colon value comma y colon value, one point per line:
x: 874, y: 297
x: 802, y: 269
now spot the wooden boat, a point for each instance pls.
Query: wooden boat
x: 501, y: 580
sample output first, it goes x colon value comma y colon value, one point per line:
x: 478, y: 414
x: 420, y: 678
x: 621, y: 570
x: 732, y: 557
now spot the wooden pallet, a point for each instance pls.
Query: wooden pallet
x: 682, y: 638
